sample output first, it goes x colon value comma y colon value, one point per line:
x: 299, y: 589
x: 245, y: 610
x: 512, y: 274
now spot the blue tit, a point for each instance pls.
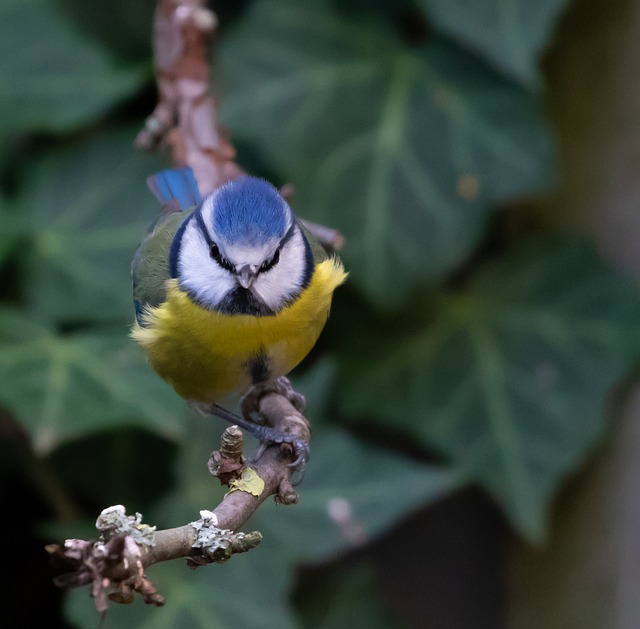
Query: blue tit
x: 231, y: 290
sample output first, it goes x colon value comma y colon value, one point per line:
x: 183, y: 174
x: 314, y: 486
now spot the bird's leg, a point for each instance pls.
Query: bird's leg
x: 267, y: 435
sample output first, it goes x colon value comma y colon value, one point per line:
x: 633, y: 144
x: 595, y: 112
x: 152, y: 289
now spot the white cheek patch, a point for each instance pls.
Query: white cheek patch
x: 284, y: 280
x: 199, y: 273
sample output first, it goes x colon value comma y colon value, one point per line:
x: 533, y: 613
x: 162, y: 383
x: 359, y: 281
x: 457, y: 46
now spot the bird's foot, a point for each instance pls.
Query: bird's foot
x: 266, y: 435
x: 250, y: 401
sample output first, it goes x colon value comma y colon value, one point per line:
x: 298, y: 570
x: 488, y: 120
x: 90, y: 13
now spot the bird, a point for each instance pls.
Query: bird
x: 230, y: 292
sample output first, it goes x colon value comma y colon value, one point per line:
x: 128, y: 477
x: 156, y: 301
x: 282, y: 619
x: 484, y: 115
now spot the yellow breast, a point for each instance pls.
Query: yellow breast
x: 205, y: 354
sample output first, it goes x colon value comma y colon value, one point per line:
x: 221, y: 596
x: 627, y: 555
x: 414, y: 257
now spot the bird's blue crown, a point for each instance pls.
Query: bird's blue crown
x: 250, y: 211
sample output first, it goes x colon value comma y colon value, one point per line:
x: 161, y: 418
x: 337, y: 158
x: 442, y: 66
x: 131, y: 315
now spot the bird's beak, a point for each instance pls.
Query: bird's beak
x: 246, y: 275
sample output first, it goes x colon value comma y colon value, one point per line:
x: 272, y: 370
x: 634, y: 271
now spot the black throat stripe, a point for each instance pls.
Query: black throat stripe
x: 243, y: 301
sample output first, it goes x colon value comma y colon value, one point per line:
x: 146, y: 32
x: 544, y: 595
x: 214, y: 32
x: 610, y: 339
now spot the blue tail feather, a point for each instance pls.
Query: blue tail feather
x: 177, y: 184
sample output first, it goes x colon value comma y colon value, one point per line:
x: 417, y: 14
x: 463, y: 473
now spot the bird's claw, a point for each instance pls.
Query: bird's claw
x: 299, y: 447
x: 267, y: 435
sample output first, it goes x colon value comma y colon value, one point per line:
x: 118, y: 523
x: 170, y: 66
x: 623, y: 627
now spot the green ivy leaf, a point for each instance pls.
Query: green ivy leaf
x: 510, y: 35
x: 401, y: 148
x: 512, y: 378
x: 64, y: 386
x: 89, y: 207
x: 52, y: 78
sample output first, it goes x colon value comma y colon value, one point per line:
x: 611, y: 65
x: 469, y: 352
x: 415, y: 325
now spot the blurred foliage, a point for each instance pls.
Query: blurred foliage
x: 498, y: 376
x: 404, y: 148
x: 84, y: 205
x: 52, y: 77
x: 509, y: 35
x: 468, y: 336
x: 65, y: 386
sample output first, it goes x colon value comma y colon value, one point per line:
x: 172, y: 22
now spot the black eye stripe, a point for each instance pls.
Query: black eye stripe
x: 203, y: 229
x: 267, y: 265
x: 287, y: 237
x: 214, y: 251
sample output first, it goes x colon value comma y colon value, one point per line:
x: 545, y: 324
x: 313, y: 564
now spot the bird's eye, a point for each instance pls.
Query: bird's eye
x: 269, y: 264
x: 217, y: 256
x: 215, y: 253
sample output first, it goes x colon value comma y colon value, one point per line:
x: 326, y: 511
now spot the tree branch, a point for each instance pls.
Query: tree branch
x: 185, y: 118
x: 114, y: 565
